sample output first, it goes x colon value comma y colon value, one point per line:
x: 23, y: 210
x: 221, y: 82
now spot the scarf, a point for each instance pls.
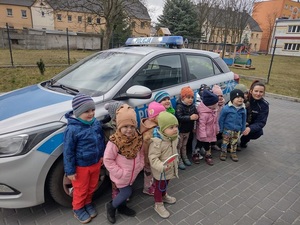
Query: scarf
x: 128, y: 146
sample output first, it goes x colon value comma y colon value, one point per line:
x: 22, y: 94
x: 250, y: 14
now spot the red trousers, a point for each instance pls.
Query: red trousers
x: 85, y: 184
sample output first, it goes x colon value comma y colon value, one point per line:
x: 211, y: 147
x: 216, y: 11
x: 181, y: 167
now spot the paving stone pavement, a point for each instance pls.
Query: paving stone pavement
x: 263, y: 188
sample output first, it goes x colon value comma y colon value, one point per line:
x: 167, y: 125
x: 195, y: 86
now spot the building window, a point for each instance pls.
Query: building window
x: 24, y: 13
x: 256, y: 35
x: 9, y: 12
x: 98, y: 20
x: 69, y: 18
x: 143, y: 25
x: 43, y: 14
x: 291, y: 47
x: 79, y: 19
x: 133, y: 24
x: 58, y: 16
x: 286, y: 6
x: 89, y: 20
x: 294, y: 29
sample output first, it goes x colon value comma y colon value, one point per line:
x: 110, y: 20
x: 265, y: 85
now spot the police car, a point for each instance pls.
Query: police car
x: 32, y: 118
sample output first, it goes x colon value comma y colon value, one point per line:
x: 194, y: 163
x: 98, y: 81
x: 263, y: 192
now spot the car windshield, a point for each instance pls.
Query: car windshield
x: 98, y: 74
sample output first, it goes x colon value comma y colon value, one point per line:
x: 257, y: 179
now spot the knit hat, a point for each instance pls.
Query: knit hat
x: 125, y: 116
x: 154, y: 109
x: 241, y: 87
x: 236, y: 93
x: 82, y: 103
x: 166, y: 120
x: 112, y: 108
x: 160, y: 96
x: 209, y: 98
x: 217, y: 90
x: 186, y: 91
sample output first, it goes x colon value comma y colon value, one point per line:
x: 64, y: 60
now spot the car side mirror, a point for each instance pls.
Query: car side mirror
x: 137, y: 92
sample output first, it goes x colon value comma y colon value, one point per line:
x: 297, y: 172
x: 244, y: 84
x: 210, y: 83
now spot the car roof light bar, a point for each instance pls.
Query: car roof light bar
x: 165, y: 41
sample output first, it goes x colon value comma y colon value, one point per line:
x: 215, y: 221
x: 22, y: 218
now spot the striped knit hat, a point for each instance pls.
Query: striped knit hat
x: 82, y: 103
x: 161, y: 95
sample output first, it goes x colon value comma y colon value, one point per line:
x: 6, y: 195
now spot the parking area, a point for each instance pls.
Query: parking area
x: 262, y: 188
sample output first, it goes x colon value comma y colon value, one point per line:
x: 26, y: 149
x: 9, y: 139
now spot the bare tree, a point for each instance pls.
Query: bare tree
x: 111, y: 10
x: 204, y: 9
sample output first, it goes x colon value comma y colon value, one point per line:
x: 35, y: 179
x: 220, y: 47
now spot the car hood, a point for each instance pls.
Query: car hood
x: 31, y: 106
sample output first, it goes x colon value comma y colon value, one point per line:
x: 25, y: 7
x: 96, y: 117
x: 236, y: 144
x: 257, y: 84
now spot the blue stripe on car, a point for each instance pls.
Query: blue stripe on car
x: 27, y: 99
x: 50, y: 145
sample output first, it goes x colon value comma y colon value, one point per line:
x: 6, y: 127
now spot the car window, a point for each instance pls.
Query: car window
x: 160, y: 72
x: 100, y: 73
x: 200, y: 66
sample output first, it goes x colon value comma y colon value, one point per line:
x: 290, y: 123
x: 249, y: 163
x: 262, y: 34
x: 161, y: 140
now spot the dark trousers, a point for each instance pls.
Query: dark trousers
x: 250, y: 136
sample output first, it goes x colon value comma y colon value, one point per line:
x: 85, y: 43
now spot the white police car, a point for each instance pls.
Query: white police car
x: 32, y: 118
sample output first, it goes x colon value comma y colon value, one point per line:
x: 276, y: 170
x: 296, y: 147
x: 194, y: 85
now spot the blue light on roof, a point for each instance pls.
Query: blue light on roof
x: 167, y: 41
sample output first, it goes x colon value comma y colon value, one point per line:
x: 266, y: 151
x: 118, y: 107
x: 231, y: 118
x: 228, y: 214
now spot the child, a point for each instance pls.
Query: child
x: 244, y: 89
x: 146, y: 128
x: 83, y: 152
x: 163, y: 98
x: 109, y: 129
x: 196, y: 156
x: 124, y: 159
x: 187, y: 115
x: 163, y: 145
x: 232, y: 122
x: 218, y: 91
x: 208, y: 127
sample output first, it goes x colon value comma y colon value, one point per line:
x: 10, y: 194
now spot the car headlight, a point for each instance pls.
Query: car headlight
x: 22, y: 141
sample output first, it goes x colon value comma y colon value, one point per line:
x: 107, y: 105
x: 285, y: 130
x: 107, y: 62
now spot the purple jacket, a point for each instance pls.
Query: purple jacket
x: 207, y: 126
x: 122, y: 171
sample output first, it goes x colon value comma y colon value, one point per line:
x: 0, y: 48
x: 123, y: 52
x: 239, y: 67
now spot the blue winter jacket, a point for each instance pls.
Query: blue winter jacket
x: 259, y: 112
x: 83, y: 144
x: 232, y: 118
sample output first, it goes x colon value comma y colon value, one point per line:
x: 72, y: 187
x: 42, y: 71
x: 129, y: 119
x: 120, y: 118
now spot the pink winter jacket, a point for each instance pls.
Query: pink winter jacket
x: 207, y: 126
x: 122, y: 171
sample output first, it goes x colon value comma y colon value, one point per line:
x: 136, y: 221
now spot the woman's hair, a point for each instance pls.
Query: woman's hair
x: 253, y: 85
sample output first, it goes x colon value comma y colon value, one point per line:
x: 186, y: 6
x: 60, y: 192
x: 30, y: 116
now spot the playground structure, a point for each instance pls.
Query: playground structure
x: 236, y: 60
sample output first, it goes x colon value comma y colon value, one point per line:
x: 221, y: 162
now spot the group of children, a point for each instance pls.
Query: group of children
x: 129, y: 150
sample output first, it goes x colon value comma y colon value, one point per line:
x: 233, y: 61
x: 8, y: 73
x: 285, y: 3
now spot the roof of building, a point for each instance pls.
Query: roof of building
x: 134, y: 9
x: 253, y: 24
x: 17, y: 2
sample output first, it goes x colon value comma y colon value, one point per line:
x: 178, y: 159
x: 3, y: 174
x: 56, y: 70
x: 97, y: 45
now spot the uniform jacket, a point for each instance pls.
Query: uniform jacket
x: 83, y: 144
x: 207, y: 126
x: 232, y: 118
x: 259, y: 111
x: 159, y: 150
x: 183, y: 113
x: 122, y: 171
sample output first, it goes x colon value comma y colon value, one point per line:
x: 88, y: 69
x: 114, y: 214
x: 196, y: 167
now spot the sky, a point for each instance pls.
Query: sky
x: 155, y: 8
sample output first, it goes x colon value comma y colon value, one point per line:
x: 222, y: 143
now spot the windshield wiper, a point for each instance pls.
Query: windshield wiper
x: 69, y: 90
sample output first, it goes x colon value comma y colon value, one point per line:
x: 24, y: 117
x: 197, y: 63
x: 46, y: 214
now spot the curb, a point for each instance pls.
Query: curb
x: 283, y: 97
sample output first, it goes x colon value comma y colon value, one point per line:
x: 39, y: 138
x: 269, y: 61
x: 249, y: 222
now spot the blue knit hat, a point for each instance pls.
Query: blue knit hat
x: 160, y: 96
x: 82, y: 103
x: 209, y: 98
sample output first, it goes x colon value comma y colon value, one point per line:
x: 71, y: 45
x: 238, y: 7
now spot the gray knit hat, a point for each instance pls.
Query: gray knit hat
x: 241, y: 87
x: 112, y: 107
x: 82, y: 103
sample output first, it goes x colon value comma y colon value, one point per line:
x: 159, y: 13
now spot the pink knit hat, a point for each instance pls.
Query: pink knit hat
x: 154, y: 109
x: 217, y: 90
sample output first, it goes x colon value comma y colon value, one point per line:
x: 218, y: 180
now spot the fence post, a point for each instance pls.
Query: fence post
x: 68, y: 47
x: 9, y: 44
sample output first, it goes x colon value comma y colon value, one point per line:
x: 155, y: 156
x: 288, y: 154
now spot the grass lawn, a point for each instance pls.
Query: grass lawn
x: 284, y: 76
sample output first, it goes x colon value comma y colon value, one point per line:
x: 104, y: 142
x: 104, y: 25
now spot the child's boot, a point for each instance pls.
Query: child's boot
x: 91, y: 210
x: 181, y: 164
x: 186, y: 161
x: 223, y: 156
x: 208, y: 158
x: 234, y: 157
x: 82, y: 215
x: 161, y: 210
x: 169, y: 199
x: 125, y: 210
x: 111, y: 212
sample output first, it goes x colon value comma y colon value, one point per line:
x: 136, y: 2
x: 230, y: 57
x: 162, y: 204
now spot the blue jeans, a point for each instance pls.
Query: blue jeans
x: 122, y: 196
